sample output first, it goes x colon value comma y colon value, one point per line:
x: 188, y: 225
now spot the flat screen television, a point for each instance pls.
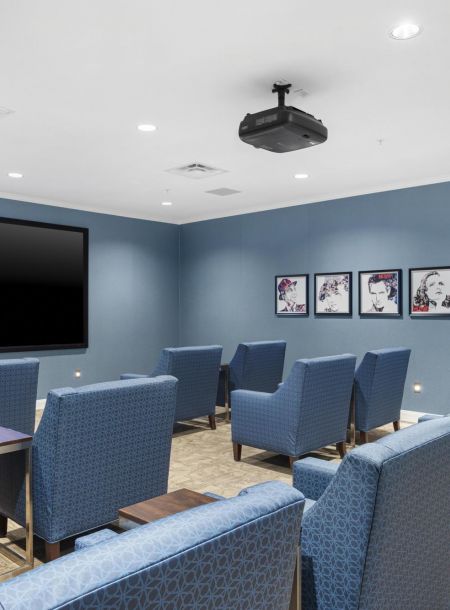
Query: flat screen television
x: 43, y: 286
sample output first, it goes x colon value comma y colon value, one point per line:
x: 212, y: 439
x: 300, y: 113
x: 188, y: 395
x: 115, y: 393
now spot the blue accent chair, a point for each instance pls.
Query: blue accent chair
x: 308, y: 411
x: 257, y: 365
x: 379, y: 384
x: 428, y: 416
x: 376, y: 529
x: 97, y: 448
x: 235, y: 554
x: 18, y: 394
x: 197, y: 371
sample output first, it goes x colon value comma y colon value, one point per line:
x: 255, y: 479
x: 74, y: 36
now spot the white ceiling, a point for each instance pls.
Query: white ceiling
x: 81, y: 75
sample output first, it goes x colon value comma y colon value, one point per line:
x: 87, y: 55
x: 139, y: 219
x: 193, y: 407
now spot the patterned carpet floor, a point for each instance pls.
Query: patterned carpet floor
x: 201, y: 460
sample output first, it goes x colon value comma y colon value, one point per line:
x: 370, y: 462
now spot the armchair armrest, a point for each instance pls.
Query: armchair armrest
x: 429, y: 416
x: 312, y: 476
x: 133, y: 376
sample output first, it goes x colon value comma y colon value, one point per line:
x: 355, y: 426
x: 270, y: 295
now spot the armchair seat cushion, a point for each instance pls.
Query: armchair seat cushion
x: 86, y: 541
x: 133, y: 376
x: 312, y: 476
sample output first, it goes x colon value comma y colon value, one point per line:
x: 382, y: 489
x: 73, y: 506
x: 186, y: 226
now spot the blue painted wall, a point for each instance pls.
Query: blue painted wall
x: 133, y: 295
x: 228, y: 268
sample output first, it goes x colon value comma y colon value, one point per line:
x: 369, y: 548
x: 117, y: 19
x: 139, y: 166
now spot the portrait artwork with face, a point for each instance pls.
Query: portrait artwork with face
x: 333, y: 294
x: 291, y: 295
x: 380, y: 293
x: 429, y: 291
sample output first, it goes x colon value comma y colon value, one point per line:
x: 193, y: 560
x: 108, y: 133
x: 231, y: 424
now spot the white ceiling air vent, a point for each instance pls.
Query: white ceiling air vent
x: 196, y: 171
x: 223, y: 192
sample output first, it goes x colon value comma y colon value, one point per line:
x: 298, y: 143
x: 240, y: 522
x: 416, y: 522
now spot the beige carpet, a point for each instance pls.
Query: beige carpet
x: 202, y: 460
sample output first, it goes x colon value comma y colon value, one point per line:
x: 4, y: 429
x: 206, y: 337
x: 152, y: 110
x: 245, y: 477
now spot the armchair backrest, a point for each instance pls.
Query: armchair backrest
x: 379, y: 384
x: 18, y: 393
x: 258, y: 366
x: 379, y: 536
x: 317, y: 396
x: 236, y: 553
x: 99, y: 448
x: 197, y: 370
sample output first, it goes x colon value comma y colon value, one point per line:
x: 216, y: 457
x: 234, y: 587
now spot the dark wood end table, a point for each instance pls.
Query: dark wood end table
x: 164, y: 506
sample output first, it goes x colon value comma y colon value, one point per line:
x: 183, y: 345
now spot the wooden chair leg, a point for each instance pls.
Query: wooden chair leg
x: 237, y: 451
x: 3, y: 526
x: 342, y: 448
x: 396, y: 425
x: 363, y: 437
x: 292, y: 459
x: 212, y: 421
x: 52, y: 551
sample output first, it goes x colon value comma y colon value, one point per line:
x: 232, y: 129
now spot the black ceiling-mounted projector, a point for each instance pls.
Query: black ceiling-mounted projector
x: 282, y: 129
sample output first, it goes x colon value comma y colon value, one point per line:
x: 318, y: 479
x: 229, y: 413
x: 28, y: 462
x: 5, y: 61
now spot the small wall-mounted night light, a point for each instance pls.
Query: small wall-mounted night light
x: 77, y: 374
x: 417, y: 387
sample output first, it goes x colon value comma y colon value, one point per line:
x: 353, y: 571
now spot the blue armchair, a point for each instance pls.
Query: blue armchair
x: 308, y: 411
x: 257, y: 365
x: 234, y: 554
x: 197, y: 371
x: 375, y: 533
x: 98, y: 448
x: 379, y: 384
x: 18, y: 393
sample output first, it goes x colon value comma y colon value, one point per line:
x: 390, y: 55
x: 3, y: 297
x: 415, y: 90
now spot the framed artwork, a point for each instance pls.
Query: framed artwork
x: 429, y: 291
x: 333, y: 294
x: 380, y: 293
x: 291, y: 295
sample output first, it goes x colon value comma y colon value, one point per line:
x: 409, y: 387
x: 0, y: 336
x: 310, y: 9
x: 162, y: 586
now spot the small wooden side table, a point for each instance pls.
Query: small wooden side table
x: 11, y: 441
x: 164, y: 506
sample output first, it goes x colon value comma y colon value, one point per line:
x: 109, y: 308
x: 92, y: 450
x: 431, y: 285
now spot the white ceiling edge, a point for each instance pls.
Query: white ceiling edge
x: 398, y: 186
x: 290, y: 204
x: 80, y: 208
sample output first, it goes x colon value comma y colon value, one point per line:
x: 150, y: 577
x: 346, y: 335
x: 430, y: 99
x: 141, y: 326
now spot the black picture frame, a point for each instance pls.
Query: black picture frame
x: 424, y: 311
x: 291, y: 276
x: 85, y: 340
x: 399, y: 288
x: 336, y: 312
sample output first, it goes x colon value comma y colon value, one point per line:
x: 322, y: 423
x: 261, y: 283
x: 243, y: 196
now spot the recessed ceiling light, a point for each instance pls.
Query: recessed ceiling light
x: 166, y: 203
x: 147, y: 127
x: 15, y: 175
x: 405, y: 31
x: 301, y: 176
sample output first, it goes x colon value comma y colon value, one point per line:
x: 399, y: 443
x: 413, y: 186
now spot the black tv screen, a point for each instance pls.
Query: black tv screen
x: 43, y: 286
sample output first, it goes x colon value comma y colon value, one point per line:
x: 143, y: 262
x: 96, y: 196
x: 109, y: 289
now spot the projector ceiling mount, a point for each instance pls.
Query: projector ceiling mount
x: 282, y: 90
x: 284, y: 128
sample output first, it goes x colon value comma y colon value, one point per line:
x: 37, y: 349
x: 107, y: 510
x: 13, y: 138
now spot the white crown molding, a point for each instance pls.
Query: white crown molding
x: 323, y: 199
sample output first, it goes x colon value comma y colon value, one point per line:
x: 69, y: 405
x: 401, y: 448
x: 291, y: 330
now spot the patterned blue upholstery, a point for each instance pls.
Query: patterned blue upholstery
x: 91, y: 539
x: 379, y: 384
x: 197, y: 371
x: 379, y: 537
x: 257, y: 365
x: 429, y: 416
x: 18, y: 393
x: 313, y: 475
x: 229, y: 555
x: 308, y: 411
x: 98, y: 448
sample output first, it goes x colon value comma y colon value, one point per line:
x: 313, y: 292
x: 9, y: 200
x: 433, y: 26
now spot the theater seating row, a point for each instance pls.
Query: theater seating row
x: 374, y: 536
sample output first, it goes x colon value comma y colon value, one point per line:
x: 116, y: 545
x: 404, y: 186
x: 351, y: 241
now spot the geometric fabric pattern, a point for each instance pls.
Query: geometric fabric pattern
x: 379, y: 538
x: 197, y: 371
x: 18, y: 392
x: 308, y: 411
x: 256, y: 365
x: 232, y: 554
x: 97, y: 448
x: 379, y: 384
